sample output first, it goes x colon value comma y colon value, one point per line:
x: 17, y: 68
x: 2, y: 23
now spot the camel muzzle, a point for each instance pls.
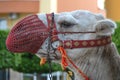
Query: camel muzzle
x: 27, y: 35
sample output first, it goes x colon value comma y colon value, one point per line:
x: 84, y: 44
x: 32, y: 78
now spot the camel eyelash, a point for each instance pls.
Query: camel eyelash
x: 66, y: 24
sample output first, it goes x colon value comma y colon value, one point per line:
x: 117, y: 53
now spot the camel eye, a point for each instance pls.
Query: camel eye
x: 66, y: 24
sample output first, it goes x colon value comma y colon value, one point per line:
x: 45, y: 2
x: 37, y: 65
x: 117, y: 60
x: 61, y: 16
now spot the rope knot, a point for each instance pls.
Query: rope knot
x: 64, y: 63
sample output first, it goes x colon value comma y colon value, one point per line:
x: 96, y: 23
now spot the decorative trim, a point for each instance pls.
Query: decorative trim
x: 86, y: 43
x: 70, y: 44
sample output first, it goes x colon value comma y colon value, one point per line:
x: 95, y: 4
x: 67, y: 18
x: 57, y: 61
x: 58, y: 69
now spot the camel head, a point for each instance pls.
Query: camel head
x: 75, y: 21
x: 78, y: 32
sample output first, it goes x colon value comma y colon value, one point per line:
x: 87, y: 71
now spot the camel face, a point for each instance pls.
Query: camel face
x: 99, y: 62
x: 77, y: 21
x: 31, y: 33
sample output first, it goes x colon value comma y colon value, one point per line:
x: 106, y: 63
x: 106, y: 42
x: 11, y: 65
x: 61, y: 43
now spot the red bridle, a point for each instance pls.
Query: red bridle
x: 71, y: 44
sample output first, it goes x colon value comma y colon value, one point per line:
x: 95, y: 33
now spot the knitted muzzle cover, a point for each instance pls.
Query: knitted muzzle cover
x: 27, y: 35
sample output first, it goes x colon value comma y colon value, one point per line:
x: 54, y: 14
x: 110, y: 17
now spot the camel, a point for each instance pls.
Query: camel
x: 98, y: 61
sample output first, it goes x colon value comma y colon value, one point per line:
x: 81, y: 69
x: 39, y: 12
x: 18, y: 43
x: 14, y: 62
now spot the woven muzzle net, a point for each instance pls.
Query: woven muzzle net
x: 27, y: 35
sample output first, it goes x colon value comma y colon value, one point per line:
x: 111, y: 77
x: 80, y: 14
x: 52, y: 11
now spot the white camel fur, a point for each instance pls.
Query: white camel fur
x: 98, y: 63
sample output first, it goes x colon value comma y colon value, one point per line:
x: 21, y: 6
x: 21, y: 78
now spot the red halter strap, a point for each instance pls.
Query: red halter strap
x: 71, y: 44
x: 52, y: 26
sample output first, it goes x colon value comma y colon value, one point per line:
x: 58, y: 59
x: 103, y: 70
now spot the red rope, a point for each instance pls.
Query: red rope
x: 64, y: 62
x: 64, y: 59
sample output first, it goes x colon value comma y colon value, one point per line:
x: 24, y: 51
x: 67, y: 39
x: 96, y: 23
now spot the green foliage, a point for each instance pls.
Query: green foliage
x: 3, y: 36
x: 116, y: 37
x: 30, y: 64
x: 5, y: 60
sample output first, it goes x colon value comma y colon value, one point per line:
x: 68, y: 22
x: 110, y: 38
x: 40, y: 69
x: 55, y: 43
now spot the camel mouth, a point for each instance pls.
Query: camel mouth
x: 52, y: 55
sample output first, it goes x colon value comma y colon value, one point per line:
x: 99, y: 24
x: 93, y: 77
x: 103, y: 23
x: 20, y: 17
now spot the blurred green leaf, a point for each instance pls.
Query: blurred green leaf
x: 116, y: 36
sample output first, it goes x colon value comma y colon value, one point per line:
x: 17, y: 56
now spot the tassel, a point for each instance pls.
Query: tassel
x: 64, y: 63
x: 42, y: 61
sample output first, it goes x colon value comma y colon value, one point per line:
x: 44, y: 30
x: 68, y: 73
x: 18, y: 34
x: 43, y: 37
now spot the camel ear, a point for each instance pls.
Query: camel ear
x: 105, y: 27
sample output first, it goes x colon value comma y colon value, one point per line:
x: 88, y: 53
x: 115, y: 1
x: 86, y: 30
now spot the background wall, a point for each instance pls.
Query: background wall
x: 113, y: 9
